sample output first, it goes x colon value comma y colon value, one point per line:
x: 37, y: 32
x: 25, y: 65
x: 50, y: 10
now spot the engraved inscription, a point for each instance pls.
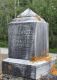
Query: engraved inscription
x: 24, y: 38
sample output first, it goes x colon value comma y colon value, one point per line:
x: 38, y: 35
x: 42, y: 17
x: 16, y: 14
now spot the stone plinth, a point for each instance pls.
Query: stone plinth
x: 26, y: 68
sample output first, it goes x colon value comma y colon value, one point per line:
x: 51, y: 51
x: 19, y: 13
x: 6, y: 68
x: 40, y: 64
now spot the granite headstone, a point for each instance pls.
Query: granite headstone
x: 28, y: 36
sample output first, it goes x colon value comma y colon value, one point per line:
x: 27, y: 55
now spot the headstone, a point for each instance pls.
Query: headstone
x: 28, y: 36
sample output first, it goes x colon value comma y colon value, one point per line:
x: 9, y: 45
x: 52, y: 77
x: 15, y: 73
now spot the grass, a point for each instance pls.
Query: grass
x: 56, y: 64
x: 54, y: 50
x: 3, y: 44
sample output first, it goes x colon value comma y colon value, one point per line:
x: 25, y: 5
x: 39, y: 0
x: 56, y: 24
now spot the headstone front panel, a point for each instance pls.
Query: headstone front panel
x: 21, y: 40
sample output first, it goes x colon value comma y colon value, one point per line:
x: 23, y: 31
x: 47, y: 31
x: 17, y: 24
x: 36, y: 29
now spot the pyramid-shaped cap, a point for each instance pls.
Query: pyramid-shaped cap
x: 28, y: 16
x: 28, y: 13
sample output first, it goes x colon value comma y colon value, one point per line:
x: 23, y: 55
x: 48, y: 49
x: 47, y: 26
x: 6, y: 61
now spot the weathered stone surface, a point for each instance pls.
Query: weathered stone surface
x: 47, y: 77
x: 21, y: 41
x: 15, y: 78
x: 26, y: 68
x: 28, y: 36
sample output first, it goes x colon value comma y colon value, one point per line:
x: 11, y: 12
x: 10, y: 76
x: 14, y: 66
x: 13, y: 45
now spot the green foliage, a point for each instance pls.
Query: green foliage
x: 47, y: 9
x: 53, y: 50
x: 3, y: 44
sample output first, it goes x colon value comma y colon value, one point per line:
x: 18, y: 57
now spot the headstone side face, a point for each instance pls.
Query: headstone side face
x: 21, y: 40
x: 41, y: 39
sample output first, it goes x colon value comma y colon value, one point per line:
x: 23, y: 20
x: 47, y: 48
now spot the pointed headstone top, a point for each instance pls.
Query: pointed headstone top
x: 28, y: 13
x: 28, y: 16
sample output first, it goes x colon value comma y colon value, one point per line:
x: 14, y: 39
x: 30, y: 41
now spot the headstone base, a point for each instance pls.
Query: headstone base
x: 26, y: 69
x: 9, y: 77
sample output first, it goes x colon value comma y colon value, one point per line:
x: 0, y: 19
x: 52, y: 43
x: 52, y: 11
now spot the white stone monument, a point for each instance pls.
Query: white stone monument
x: 28, y: 41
